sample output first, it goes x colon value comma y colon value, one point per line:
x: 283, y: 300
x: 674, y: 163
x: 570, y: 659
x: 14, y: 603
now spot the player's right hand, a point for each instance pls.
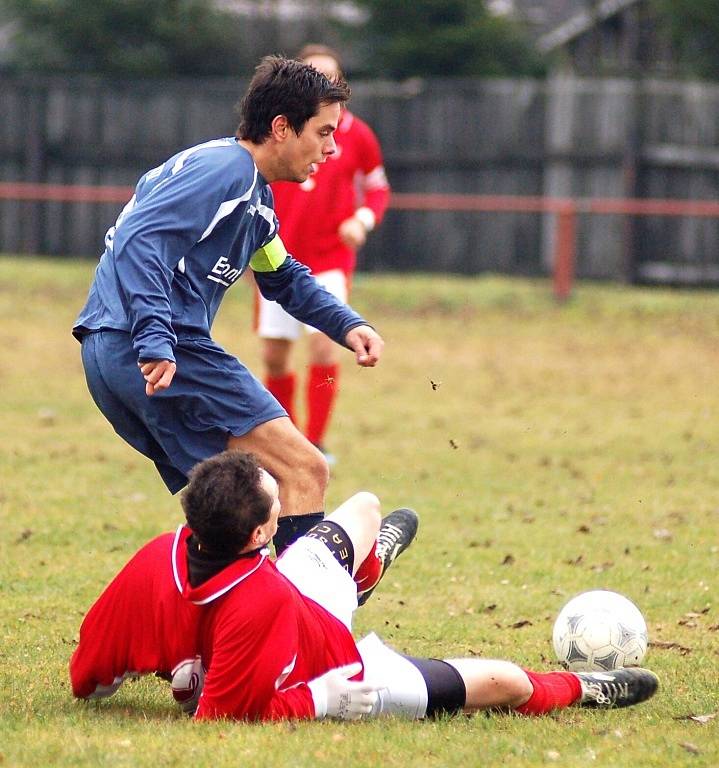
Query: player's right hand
x: 367, y: 345
x: 335, y: 695
x: 158, y: 374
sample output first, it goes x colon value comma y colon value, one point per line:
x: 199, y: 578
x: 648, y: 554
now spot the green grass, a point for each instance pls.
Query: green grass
x: 582, y: 440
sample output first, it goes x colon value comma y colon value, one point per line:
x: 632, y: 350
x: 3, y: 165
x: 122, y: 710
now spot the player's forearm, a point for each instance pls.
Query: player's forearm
x: 293, y: 287
x: 145, y: 286
x: 376, y: 201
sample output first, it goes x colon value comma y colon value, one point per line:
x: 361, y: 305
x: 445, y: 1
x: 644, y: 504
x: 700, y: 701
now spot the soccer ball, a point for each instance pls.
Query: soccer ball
x: 188, y: 677
x: 599, y: 630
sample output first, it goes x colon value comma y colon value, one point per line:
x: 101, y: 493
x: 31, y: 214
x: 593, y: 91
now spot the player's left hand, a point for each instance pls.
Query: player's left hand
x: 367, y: 345
x: 352, y: 232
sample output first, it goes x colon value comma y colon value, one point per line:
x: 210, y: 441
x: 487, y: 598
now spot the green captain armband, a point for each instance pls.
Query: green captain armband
x: 270, y: 257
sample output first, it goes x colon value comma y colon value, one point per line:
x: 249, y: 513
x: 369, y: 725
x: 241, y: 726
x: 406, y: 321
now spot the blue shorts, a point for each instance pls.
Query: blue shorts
x: 212, y: 396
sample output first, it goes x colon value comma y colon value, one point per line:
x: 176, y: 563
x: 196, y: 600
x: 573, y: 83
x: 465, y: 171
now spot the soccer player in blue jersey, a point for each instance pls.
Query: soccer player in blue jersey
x: 193, y: 226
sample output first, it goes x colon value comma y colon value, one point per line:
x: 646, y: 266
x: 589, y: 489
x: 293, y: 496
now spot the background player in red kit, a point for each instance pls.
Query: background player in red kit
x: 323, y: 221
x: 243, y: 638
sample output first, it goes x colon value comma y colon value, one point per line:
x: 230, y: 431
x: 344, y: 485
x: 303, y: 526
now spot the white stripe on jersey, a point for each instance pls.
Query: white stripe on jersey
x: 175, y: 543
x: 269, y: 216
x: 227, y: 207
x: 110, y: 234
x: 376, y: 179
x: 181, y: 161
x: 191, y: 151
x: 285, y: 673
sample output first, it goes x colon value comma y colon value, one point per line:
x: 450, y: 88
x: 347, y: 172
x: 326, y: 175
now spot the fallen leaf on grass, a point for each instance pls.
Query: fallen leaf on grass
x: 687, y: 623
x: 521, y: 623
x: 508, y: 560
x: 47, y: 417
x: 692, y: 748
x: 683, y: 650
x: 703, y: 719
x: 601, y: 567
x: 26, y: 534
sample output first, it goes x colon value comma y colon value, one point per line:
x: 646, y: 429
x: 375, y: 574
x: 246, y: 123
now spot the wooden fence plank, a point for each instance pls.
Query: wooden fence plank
x: 562, y: 137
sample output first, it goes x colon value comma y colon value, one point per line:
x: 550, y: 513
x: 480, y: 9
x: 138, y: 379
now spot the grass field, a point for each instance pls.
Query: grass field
x: 547, y: 449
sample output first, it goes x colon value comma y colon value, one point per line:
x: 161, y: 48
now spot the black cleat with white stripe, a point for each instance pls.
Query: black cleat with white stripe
x: 396, y: 533
x: 618, y: 688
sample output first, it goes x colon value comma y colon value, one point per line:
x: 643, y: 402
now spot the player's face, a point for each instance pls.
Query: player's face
x: 269, y: 485
x: 304, y: 152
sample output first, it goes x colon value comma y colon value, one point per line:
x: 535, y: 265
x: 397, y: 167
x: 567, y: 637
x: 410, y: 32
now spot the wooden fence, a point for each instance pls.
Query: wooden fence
x: 561, y: 138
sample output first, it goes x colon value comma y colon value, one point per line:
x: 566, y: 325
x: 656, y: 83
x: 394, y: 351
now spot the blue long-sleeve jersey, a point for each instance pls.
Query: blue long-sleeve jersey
x: 193, y: 226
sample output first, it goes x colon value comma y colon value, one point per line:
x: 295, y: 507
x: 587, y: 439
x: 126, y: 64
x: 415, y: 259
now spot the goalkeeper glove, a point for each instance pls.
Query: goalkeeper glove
x: 335, y: 695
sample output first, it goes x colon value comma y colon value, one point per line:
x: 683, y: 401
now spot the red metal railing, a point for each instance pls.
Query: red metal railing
x: 565, y: 210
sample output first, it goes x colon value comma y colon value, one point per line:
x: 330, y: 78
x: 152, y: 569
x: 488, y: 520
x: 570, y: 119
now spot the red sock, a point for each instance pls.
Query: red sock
x: 283, y: 389
x: 552, y: 690
x: 321, y: 394
x: 369, y: 573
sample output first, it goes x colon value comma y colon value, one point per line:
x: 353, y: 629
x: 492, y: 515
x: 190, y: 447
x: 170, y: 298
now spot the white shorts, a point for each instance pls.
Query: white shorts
x: 312, y: 568
x: 274, y: 323
x: 403, y: 690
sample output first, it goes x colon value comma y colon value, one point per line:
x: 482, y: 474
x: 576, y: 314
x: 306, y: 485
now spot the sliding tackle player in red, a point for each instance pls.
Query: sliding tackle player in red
x: 242, y: 637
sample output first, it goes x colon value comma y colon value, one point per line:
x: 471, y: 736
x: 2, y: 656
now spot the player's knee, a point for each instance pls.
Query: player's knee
x: 321, y: 472
x: 371, y: 509
x: 315, y: 470
x: 518, y: 687
x: 323, y: 351
x: 276, y: 368
x: 276, y: 357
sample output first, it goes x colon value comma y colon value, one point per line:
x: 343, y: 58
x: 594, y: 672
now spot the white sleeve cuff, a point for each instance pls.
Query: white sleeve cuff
x: 366, y: 217
x: 318, y: 689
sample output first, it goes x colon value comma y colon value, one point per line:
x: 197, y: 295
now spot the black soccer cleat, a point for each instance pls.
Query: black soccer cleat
x: 396, y: 533
x: 618, y: 688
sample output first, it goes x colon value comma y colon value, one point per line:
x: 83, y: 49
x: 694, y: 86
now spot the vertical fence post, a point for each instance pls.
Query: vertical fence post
x: 565, y: 246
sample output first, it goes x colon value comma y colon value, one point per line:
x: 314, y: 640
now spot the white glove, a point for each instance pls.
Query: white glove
x: 335, y: 695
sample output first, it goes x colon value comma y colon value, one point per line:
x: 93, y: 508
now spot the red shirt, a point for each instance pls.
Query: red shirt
x: 260, y: 640
x: 310, y: 213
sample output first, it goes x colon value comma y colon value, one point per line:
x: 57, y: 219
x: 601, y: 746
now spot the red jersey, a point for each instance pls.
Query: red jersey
x: 260, y: 639
x: 310, y: 213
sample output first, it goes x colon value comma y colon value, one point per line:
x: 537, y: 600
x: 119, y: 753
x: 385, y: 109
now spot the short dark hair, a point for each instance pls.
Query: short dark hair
x: 286, y: 87
x: 224, y: 501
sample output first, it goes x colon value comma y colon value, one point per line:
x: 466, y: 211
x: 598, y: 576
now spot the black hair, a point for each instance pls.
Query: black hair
x: 286, y: 87
x: 224, y: 501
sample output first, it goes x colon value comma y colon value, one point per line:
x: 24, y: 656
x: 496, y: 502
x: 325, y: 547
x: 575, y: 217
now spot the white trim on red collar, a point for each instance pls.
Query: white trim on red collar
x: 264, y: 554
